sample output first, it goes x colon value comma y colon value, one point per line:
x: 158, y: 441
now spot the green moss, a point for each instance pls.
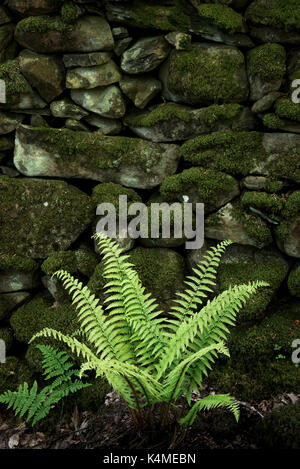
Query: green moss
x: 273, y: 186
x: 270, y: 203
x: 263, y: 266
x: 294, y: 282
x: 267, y: 61
x: 6, y: 334
x: 83, y: 261
x: 69, y: 12
x: 292, y: 206
x: 204, y: 75
x: 17, y: 263
x: 161, y: 113
x: 272, y: 121
x: 39, y: 313
x: 286, y: 109
x: 110, y: 192
x: 145, y: 14
x: 281, y: 14
x: 13, y: 373
x: 233, y: 152
x: 42, y: 24
x: 280, y: 428
x: 103, y: 152
x: 223, y: 17
x: 209, y: 185
x: 15, y: 82
x: 224, y: 112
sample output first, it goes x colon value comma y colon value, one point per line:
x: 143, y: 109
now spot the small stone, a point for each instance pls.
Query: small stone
x: 120, y: 32
x: 180, y: 41
x: 266, y: 102
x: 86, y: 60
x: 106, y: 126
x: 140, y: 89
x: 145, y: 55
x: 122, y: 45
x: 44, y: 72
x: 9, y: 122
x: 73, y: 124
x: 255, y: 183
x: 91, y: 77
x: 65, y: 108
x: 105, y: 101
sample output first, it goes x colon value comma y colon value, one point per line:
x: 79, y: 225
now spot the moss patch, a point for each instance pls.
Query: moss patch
x: 286, y: 109
x: 69, y: 12
x: 281, y: 14
x: 294, y: 282
x: 17, y: 263
x: 233, y: 152
x: 110, y: 193
x: 42, y: 24
x: 205, y: 75
x: 223, y: 17
x: 267, y: 61
x: 270, y: 203
x: 161, y: 113
x: 83, y: 261
x: 272, y: 121
x: 15, y: 82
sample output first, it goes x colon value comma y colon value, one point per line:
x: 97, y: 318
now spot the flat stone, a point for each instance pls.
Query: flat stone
x: 266, y: 102
x: 106, y: 101
x: 86, y: 60
x: 91, y: 77
x: 65, y: 108
x: 122, y: 45
x: 41, y: 216
x: 140, y: 89
x: 45, y: 73
x: 62, y: 153
x: 73, y: 124
x: 172, y: 122
x: 145, y: 55
x: 106, y: 126
x: 88, y: 34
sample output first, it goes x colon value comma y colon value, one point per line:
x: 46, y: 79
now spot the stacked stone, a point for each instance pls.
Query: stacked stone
x: 160, y: 101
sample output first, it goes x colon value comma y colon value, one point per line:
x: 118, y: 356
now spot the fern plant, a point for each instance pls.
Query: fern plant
x: 34, y: 405
x: 151, y: 360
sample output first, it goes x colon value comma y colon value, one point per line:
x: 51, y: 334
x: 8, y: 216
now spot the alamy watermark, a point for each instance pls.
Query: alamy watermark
x: 157, y: 220
x: 296, y: 93
x: 2, y: 92
x: 296, y: 352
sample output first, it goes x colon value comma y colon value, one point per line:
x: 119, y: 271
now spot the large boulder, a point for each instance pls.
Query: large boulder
x: 205, y: 74
x: 50, y: 34
x: 64, y: 153
x: 40, y: 216
x: 171, y: 122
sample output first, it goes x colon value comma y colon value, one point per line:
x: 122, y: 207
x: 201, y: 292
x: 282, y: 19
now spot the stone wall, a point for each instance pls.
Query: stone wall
x: 156, y: 100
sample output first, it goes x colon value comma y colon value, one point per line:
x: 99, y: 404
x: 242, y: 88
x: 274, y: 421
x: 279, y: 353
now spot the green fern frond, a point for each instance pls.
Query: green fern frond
x: 211, y: 402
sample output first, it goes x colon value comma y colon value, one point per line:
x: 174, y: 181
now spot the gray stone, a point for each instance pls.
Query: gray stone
x: 65, y: 108
x: 287, y: 236
x: 88, y: 34
x: 45, y: 73
x: 9, y: 301
x: 128, y: 161
x: 266, y: 102
x: 120, y: 32
x: 86, y: 60
x: 105, y: 101
x: 9, y: 122
x: 171, y: 122
x: 122, y: 45
x: 91, y: 77
x: 106, y: 126
x: 193, y: 76
x: 231, y: 222
x: 145, y: 55
x: 15, y: 281
x: 255, y: 183
x: 140, y: 89
x: 181, y: 41
x: 41, y: 216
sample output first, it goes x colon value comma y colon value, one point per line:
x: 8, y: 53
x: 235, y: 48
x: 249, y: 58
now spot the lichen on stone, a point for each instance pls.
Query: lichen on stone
x: 223, y: 17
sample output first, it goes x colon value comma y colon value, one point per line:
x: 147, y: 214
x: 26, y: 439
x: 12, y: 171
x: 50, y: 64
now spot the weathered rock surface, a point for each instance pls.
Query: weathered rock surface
x: 65, y: 108
x: 9, y: 122
x: 107, y: 101
x: 232, y: 222
x: 63, y: 153
x: 86, y: 60
x: 106, y: 126
x: 140, y: 89
x: 33, y: 7
x: 42, y: 34
x: 91, y: 77
x: 205, y: 74
x: 172, y: 122
x: 63, y: 213
x: 44, y: 72
x: 145, y: 55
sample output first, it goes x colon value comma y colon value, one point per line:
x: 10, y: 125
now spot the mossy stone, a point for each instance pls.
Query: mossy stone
x: 13, y: 373
x: 279, y: 14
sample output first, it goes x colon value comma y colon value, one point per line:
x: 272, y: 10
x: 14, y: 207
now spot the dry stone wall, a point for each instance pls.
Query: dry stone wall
x: 157, y: 100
